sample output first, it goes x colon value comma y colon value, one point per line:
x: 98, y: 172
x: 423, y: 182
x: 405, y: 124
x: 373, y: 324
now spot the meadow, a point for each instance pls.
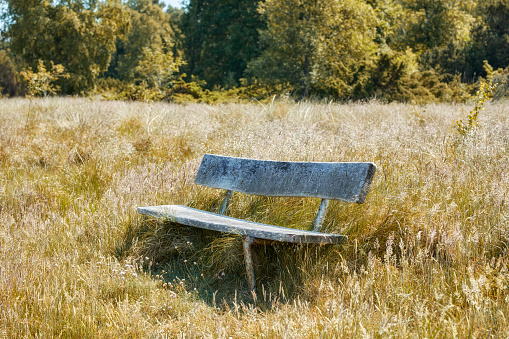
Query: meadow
x: 426, y: 256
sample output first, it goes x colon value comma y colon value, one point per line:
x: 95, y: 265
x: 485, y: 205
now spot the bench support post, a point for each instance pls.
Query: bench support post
x: 225, y: 201
x: 321, y: 215
x: 247, y: 242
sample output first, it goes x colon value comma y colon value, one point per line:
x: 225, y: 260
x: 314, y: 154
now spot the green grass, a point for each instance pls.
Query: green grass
x: 426, y: 256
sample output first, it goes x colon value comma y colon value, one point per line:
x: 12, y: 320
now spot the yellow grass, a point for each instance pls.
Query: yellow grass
x: 427, y: 251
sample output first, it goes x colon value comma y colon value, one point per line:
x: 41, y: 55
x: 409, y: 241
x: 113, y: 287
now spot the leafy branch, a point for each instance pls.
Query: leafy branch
x: 41, y: 83
x: 483, y: 95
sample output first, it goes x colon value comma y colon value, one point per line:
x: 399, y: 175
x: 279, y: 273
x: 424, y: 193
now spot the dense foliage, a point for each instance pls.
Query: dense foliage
x: 405, y: 50
x: 221, y: 37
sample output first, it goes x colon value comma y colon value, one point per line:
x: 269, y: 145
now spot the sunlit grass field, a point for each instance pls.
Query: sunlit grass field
x: 426, y: 256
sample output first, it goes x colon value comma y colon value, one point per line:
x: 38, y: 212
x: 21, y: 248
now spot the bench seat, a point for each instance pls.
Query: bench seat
x: 216, y: 222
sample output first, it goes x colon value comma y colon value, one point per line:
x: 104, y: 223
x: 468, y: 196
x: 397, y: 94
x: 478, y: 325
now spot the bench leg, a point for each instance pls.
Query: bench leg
x: 247, y: 242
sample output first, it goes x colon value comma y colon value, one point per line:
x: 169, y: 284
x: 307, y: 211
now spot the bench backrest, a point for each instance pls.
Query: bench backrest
x: 346, y: 181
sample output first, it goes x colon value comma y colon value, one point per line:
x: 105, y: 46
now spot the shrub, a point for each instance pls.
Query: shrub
x: 42, y: 82
x: 385, y: 77
x: 484, y: 94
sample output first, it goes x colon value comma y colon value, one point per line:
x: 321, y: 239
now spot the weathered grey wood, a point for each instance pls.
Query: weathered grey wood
x: 216, y: 222
x: 347, y: 181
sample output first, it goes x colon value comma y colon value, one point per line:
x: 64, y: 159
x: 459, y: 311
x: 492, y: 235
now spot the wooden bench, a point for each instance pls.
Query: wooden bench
x: 346, y: 181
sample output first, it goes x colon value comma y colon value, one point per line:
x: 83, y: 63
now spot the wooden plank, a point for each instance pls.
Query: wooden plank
x: 347, y: 181
x: 216, y: 222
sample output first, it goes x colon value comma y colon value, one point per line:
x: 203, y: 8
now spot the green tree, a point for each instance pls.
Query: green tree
x: 434, y: 23
x: 150, y: 28
x: 439, y: 31
x: 8, y: 81
x: 314, y: 45
x: 221, y: 37
x: 157, y: 68
x: 78, y: 34
x: 491, y: 36
x: 388, y: 18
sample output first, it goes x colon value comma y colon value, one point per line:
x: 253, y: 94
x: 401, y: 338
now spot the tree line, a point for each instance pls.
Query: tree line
x: 214, y: 50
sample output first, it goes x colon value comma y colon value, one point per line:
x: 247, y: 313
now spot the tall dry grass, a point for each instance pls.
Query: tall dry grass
x: 427, y: 255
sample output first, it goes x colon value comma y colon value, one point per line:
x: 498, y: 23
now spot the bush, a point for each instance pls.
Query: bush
x: 181, y: 92
x: 394, y: 77
x: 42, y: 82
x: 115, y: 89
x: 386, y: 77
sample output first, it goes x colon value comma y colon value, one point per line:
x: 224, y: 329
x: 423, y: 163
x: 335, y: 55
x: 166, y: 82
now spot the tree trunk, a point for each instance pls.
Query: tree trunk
x: 305, y: 86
